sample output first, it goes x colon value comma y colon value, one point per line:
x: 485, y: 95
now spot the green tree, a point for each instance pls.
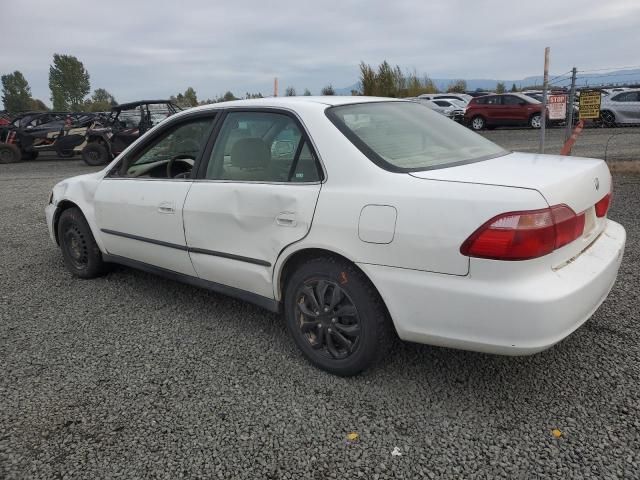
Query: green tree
x: 38, y: 105
x: 253, y: 95
x: 514, y: 88
x: 459, y: 86
x: 392, y: 82
x: 307, y: 92
x: 290, y: 92
x: 68, y: 82
x: 190, y: 97
x: 500, y: 87
x: 386, y: 81
x: 368, y: 80
x: 228, y: 96
x: 101, y: 101
x: 328, y: 90
x: 16, y: 93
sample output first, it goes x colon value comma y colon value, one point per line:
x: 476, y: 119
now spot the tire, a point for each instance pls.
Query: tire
x: 32, y: 155
x: 95, y: 154
x: 478, y: 123
x: 321, y: 335
x: 81, y: 254
x: 608, y: 118
x: 535, y: 121
x: 9, y: 153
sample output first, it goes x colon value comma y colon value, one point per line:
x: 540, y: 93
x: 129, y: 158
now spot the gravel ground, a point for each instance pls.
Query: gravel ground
x: 611, y: 144
x: 135, y: 376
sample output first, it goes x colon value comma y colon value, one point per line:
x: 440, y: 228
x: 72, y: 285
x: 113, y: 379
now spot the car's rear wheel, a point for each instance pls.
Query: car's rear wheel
x: 95, y: 154
x: 81, y: 254
x: 335, y: 316
x: 9, y: 153
x: 608, y: 118
x: 478, y: 123
x: 535, y: 121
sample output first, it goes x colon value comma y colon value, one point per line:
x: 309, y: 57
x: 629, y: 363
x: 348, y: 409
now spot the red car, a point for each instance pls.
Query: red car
x: 510, y: 109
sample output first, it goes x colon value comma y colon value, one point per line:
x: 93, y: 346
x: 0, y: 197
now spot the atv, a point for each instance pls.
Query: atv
x: 108, y: 138
x: 33, y: 132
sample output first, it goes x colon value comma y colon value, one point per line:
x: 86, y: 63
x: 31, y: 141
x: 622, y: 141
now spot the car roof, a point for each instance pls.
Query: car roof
x: 293, y: 102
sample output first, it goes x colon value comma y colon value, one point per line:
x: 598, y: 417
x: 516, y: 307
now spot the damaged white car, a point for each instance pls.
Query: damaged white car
x: 357, y: 218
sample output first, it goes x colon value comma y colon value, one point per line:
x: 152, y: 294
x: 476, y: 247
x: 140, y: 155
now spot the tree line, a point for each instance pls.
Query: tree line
x: 69, y: 82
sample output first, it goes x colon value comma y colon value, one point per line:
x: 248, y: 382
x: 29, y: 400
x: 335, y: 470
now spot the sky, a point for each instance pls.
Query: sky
x: 154, y: 48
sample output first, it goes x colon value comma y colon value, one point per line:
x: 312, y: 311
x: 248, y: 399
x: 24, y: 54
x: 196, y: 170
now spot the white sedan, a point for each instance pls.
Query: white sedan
x: 356, y: 217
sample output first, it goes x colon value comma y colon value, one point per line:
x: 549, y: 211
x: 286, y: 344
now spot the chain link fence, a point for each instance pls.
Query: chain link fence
x: 613, y: 144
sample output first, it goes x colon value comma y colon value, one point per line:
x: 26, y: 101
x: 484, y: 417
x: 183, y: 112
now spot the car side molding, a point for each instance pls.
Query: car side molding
x: 263, y: 302
x: 184, y: 248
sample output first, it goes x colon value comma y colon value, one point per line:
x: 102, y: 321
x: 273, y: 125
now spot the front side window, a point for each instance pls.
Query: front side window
x: 261, y: 147
x: 173, y: 153
x: 405, y: 136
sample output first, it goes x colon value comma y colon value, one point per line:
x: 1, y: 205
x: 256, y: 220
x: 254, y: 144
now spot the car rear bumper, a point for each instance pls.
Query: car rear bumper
x: 510, y: 315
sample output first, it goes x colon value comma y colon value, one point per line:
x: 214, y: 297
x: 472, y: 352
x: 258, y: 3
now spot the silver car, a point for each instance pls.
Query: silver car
x: 621, y: 108
x: 451, y: 108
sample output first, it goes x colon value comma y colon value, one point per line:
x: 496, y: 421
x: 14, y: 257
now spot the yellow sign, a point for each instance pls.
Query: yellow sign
x: 589, y: 104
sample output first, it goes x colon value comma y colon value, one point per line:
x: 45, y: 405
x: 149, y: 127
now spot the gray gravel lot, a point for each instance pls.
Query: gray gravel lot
x: 135, y: 376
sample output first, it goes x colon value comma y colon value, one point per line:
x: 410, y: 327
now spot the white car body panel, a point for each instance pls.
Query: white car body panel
x: 407, y: 241
x: 501, y: 307
x: 151, y: 209
x: 247, y: 219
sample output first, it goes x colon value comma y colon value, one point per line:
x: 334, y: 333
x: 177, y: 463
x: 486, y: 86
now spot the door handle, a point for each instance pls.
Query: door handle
x: 286, y: 219
x: 166, y: 207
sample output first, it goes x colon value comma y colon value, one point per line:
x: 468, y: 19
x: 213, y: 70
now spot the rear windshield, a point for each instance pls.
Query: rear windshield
x: 408, y: 136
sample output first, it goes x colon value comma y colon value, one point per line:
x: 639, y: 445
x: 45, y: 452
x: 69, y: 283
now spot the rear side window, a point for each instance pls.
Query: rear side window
x: 261, y: 147
x: 626, y: 97
x: 511, y: 100
x: 480, y: 101
x: 406, y: 136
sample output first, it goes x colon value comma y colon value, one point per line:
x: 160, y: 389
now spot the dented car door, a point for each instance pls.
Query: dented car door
x: 256, y: 195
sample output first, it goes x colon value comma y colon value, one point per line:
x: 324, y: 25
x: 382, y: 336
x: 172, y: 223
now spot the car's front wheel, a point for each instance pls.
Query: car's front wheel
x: 335, y: 316
x: 478, y: 123
x: 608, y: 118
x: 81, y: 254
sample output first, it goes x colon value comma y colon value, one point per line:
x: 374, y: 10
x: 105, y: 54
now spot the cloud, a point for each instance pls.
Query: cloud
x: 151, y: 48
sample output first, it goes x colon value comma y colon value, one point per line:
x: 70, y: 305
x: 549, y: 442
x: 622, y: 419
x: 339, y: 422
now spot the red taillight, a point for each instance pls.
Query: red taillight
x: 603, y: 205
x: 525, y: 235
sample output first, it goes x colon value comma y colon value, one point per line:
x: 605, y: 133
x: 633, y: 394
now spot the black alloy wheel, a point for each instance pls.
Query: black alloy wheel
x: 336, y: 316
x: 327, y: 318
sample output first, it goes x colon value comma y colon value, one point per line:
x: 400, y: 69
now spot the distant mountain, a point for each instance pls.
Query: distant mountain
x: 587, y: 79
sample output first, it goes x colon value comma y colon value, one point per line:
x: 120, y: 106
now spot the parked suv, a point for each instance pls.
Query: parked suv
x: 491, y: 111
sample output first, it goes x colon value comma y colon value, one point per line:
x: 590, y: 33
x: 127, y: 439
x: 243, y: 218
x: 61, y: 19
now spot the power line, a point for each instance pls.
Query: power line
x: 609, y: 69
x: 588, y: 77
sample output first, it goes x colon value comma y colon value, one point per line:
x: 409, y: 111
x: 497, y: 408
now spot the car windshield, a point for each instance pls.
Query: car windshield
x: 406, y: 136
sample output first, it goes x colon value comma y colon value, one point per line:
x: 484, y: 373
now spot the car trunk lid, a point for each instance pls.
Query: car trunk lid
x: 576, y: 182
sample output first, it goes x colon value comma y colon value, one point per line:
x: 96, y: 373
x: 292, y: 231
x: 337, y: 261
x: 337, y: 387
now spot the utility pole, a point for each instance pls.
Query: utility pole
x: 545, y: 87
x: 275, y: 87
x: 570, y: 100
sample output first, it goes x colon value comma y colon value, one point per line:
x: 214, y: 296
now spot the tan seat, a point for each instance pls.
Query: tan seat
x: 250, y: 160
